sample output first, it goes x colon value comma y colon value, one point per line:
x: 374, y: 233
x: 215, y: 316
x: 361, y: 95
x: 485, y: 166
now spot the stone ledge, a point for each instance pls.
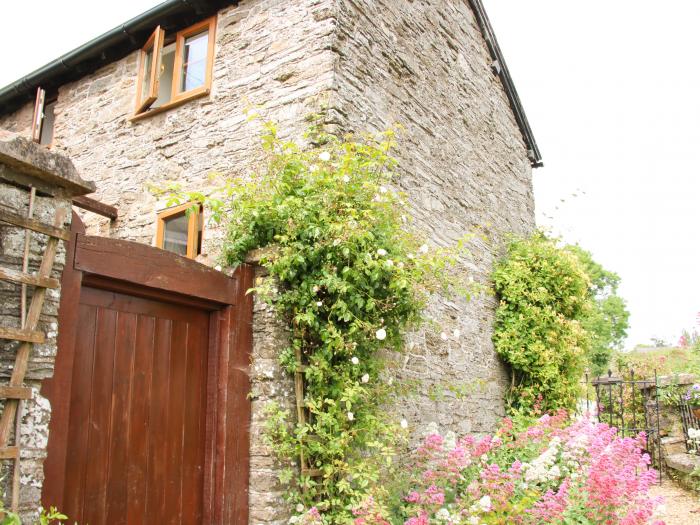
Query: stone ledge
x: 27, y: 163
x: 685, y: 463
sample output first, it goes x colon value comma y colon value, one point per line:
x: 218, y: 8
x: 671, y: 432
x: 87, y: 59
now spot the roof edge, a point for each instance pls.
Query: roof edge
x: 100, y: 50
x: 501, y: 69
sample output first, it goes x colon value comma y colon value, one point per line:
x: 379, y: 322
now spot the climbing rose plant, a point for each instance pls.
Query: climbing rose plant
x: 349, y: 278
x: 552, y: 472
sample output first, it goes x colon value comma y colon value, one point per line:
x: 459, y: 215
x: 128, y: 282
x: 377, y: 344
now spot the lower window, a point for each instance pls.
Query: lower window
x: 179, y: 230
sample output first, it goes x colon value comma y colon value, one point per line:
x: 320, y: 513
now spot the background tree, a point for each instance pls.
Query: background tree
x: 608, y: 317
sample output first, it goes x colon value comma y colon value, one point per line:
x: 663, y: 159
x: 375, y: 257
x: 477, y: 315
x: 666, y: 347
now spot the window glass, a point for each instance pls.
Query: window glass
x: 167, y: 63
x: 175, y: 233
x: 47, y: 124
x: 194, y: 61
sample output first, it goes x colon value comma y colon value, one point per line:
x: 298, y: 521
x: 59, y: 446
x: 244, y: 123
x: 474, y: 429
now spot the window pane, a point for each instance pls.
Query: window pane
x: 175, y: 234
x: 194, y: 61
x: 167, y: 62
x: 146, y: 81
x: 47, y: 125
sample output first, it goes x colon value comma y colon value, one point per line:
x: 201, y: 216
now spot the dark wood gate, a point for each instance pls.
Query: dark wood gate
x: 150, y: 409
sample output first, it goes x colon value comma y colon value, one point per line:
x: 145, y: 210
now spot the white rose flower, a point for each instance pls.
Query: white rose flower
x: 365, y: 378
x: 423, y: 248
x: 400, y: 265
x: 325, y: 156
x: 351, y: 416
x: 381, y: 252
x: 404, y: 423
x: 300, y: 507
x: 315, y: 289
x: 319, y: 303
x: 354, y: 360
x: 389, y: 263
x: 381, y: 334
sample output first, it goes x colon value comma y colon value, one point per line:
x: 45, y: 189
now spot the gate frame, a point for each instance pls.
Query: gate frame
x: 144, y: 271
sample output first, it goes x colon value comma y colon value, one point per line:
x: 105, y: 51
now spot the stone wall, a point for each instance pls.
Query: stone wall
x: 23, y: 162
x: 464, y: 166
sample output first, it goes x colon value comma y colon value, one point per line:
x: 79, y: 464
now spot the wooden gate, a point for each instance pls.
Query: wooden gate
x: 150, y: 409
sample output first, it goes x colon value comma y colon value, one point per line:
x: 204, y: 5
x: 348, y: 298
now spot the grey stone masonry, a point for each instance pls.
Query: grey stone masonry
x: 421, y: 65
x: 24, y: 164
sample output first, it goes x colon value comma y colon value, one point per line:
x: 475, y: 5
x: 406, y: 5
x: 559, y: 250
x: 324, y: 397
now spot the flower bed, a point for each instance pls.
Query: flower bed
x: 553, y: 471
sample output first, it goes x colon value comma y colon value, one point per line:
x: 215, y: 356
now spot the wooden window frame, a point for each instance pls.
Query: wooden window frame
x: 192, y: 226
x: 178, y: 97
x: 155, y: 42
x: 38, y: 117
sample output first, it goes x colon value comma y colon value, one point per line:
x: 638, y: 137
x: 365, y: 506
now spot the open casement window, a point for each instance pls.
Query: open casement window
x: 43, y: 118
x: 183, y: 69
x: 149, y: 71
x: 179, y: 230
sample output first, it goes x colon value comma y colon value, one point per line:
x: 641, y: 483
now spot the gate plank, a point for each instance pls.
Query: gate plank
x: 153, y: 268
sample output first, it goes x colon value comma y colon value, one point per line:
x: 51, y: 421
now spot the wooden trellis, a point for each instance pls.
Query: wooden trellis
x: 27, y: 335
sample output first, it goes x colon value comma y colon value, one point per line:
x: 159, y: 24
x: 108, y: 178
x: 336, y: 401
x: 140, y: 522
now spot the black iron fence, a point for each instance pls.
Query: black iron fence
x: 629, y: 404
x: 691, y: 425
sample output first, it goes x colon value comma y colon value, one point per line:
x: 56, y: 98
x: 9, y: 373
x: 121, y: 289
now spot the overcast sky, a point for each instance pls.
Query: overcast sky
x: 611, y: 91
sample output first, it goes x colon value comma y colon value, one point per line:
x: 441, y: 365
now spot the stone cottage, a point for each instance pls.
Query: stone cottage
x: 162, y: 98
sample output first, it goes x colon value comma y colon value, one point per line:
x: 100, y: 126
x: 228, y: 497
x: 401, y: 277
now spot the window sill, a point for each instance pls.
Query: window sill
x: 170, y: 105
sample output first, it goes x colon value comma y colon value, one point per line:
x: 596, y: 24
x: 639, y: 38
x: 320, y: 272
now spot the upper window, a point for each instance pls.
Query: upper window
x: 175, y: 69
x: 43, y: 119
x: 180, y: 230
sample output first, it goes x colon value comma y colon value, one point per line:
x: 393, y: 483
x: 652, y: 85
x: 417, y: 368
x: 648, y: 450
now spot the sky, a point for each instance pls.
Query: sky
x: 610, y: 88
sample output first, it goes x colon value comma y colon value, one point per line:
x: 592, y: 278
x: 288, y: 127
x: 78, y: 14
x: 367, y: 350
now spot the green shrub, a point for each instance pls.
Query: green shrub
x: 543, y: 293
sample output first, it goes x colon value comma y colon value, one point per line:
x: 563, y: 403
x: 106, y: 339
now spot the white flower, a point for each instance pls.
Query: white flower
x: 410, y: 256
x: 471, y: 278
x: 351, y: 416
x: 400, y: 264
x: 443, y: 514
x: 485, y: 503
x: 325, y: 156
x: 474, y: 520
x: 293, y: 520
x: 443, y: 336
x: 382, y: 189
x: 423, y: 248
x: 389, y: 263
x: 315, y: 289
x: 217, y: 268
x: 365, y: 378
x: 432, y: 428
x: 404, y: 423
x: 381, y: 334
x: 300, y: 507
x: 354, y: 360
x: 456, y: 333
x: 450, y: 440
x: 346, y: 178
x: 319, y: 303
x: 313, y: 168
x: 381, y: 252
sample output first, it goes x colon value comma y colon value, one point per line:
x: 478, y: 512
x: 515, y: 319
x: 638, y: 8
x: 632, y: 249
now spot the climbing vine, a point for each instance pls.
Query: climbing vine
x: 349, y: 278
